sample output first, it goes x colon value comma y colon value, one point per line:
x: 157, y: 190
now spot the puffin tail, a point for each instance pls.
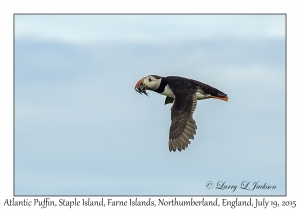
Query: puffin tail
x: 221, y: 97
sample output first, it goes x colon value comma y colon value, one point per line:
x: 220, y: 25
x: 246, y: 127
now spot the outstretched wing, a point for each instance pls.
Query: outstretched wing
x: 183, y: 126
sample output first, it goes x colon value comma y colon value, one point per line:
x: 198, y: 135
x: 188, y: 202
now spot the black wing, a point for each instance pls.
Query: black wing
x: 183, y: 126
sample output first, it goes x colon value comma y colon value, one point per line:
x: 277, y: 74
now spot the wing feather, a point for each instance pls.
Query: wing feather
x: 183, y: 126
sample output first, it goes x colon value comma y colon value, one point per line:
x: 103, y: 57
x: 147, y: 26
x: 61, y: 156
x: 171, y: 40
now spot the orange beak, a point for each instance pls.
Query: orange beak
x: 138, y: 84
x: 140, y: 87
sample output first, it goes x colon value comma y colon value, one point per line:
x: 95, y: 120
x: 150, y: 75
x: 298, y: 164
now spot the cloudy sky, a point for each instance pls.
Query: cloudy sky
x: 81, y: 129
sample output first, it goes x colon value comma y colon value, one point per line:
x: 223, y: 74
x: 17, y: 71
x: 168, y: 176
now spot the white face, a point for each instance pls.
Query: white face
x: 151, y: 82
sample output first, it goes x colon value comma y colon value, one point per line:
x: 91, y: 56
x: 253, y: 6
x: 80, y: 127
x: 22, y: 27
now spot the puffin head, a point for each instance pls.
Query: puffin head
x: 151, y: 82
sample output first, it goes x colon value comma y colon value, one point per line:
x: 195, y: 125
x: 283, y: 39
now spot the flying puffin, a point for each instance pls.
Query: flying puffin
x: 183, y: 93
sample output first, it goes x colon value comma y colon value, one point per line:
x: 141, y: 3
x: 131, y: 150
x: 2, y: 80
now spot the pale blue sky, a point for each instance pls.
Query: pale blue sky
x: 81, y: 129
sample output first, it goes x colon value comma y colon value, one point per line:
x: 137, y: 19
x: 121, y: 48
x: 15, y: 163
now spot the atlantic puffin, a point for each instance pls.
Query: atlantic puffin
x: 183, y: 93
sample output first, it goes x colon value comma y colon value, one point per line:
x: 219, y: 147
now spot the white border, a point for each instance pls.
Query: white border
x: 8, y: 8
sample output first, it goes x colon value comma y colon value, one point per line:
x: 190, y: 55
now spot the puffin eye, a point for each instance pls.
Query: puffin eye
x: 150, y: 79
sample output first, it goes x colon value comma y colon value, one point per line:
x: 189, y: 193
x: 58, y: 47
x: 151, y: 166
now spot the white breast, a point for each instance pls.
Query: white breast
x: 199, y: 94
x: 168, y: 92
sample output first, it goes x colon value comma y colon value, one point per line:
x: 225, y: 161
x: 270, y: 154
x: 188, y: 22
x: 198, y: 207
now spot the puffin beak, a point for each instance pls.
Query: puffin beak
x: 140, y: 87
x: 139, y: 83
